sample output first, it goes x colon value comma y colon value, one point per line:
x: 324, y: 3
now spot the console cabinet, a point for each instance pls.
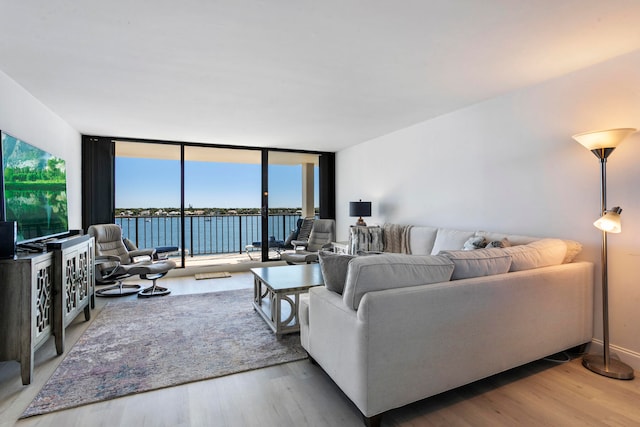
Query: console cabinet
x: 40, y: 294
x: 26, y: 308
x: 73, y: 284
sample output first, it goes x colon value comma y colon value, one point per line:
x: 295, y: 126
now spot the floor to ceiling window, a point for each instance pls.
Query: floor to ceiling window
x: 209, y: 205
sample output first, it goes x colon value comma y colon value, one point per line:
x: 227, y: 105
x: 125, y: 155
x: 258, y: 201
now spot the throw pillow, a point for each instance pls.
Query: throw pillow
x: 450, y: 240
x: 334, y: 269
x: 573, y: 249
x: 504, y: 243
x: 541, y: 253
x: 390, y: 271
x: 475, y: 242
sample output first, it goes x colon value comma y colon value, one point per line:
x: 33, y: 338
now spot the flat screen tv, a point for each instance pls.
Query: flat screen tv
x: 34, y: 190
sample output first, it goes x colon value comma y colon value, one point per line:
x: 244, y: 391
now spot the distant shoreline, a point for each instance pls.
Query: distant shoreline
x: 137, y: 212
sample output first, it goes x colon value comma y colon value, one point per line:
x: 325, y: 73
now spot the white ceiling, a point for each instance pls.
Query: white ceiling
x: 305, y: 74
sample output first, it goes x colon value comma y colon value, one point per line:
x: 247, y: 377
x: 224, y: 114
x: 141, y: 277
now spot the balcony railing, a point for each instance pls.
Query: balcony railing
x: 205, y: 234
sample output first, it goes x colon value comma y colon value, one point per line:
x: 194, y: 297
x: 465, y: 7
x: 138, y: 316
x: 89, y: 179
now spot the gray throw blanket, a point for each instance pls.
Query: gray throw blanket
x: 396, y: 238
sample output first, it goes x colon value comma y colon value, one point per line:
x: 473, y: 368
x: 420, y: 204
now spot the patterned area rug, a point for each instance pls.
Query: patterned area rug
x: 142, y: 345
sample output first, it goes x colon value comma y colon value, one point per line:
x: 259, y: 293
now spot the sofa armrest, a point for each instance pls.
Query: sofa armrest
x: 336, y: 338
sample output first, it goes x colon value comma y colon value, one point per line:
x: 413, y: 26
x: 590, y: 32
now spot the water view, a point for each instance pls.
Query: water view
x: 220, y: 189
x: 207, y: 231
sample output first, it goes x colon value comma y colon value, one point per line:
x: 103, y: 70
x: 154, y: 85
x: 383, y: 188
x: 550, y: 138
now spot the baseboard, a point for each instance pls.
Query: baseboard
x: 629, y: 357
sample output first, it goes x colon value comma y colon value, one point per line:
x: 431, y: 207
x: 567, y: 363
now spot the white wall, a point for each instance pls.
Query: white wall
x: 509, y: 164
x: 26, y: 118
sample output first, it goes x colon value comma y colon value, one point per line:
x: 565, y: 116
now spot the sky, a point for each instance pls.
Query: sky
x: 143, y: 183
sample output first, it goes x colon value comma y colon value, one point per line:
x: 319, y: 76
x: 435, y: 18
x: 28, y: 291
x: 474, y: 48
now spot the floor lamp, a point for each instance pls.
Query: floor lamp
x: 602, y: 143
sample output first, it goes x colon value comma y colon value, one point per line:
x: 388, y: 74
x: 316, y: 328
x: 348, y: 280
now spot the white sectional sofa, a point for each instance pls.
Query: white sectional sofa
x: 402, y: 330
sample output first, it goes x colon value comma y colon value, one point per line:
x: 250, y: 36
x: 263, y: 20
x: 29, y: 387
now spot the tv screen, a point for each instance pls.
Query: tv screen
x: 34, y: 190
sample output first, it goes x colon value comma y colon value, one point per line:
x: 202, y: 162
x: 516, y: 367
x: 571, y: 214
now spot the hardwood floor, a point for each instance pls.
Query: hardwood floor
x: 300, y: 394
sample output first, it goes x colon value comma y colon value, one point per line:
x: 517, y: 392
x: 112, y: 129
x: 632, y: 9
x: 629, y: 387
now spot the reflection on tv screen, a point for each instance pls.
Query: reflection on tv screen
x: 35, y: 190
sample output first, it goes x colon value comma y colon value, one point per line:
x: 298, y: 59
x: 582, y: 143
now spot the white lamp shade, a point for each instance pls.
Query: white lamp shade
x: 609, y: 222
x: 609, y: 138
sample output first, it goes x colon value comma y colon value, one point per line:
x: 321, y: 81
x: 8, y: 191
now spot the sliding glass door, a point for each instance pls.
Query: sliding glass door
x: 207, y: 205
x: 222, y: 204
x: 293, y: 192
x: 148, y: 195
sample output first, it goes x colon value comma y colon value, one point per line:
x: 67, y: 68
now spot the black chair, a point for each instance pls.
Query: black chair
x: 114, y: 263
x: 300, y: 237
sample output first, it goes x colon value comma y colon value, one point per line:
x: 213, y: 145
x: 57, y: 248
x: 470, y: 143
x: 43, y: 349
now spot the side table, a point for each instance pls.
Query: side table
x: 340, y: 247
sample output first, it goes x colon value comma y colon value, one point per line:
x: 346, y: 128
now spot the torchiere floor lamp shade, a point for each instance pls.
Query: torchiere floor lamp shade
x: 601, y: 144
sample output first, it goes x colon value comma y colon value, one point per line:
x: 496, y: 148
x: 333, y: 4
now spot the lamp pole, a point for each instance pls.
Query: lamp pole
x: 604, y: 365
x: 605, y: 260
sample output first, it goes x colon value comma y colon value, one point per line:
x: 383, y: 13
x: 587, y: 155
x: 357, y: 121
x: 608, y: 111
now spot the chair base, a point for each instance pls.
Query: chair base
x: 119, y: 290
x: 153, y: 290
x: 302, y: 262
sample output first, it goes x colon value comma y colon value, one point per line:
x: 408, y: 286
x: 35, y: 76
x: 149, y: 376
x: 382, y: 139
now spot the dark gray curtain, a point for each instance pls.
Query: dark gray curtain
x: 327, y: 172
x: 98, y: 197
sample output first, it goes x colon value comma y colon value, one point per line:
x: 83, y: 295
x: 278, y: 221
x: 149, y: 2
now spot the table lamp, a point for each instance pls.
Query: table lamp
x: 360, y: 209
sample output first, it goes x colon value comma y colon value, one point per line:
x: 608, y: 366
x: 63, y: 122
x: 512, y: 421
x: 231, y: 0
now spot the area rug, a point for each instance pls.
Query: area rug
x: 213, y: 275
x: 142, y: 345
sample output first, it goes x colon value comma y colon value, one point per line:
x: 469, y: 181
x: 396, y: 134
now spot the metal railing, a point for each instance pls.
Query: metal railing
x: 205, y: 234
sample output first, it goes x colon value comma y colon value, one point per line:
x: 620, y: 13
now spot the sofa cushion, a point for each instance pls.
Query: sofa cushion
x: 541, y: 253
x: 479, y: 262
x: 388, y: 271
x: 421, y: 239
x: 448, y: 239
x: 334, y: 269
x: 573, y: 247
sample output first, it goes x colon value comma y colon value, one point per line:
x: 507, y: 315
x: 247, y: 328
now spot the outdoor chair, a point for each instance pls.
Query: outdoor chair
x: 300, y: 237
x: 322, y: 234
x: 114, y: 263
x: 278, y: 245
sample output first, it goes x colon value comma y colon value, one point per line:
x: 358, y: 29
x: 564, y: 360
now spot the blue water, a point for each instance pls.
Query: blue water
x: 204, y: 234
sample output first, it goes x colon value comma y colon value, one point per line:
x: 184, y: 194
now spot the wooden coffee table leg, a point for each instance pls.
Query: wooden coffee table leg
x: 276, y: 312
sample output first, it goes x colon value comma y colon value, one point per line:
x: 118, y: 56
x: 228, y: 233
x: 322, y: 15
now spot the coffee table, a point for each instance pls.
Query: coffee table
x: 276, y: 293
